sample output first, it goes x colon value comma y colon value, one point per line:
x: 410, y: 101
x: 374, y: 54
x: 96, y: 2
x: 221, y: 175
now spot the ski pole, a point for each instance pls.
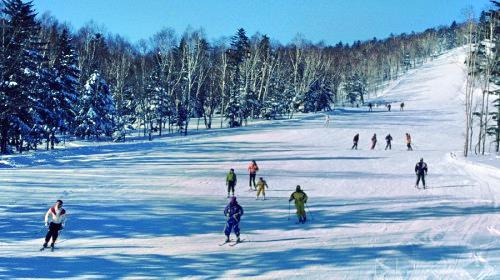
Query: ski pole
x: 309, y: 210
x: 289, y: 210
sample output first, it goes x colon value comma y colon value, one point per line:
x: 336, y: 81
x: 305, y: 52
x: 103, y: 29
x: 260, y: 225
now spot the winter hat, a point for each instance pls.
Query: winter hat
x: 233, y: 200
x: 297, y: 188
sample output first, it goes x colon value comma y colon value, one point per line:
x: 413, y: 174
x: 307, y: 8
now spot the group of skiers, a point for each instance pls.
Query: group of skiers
x: 401, y: 107
x: 388, y: 140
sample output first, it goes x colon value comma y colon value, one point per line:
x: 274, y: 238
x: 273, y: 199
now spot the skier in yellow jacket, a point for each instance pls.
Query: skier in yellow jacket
x: 261, y: 184
x: 300, y: 198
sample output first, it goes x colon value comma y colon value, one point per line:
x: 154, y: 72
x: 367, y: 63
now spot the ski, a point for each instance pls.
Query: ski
x: 237, y: 242
x: 225, y: 242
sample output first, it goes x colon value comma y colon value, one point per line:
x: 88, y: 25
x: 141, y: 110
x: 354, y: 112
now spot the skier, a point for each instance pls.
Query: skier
x: 233, y: 213
x: 327, y: 120
x: 231, y: 181
x: 355, y: 141
x: 57, y: 219
x: 388, y: 139
x: 388, y: 107
x: 370, y: 105
x: 261, y: 184
x: 374, y: 141
x: 300, y: 198
x: 420, y: 171
x: 401, y: 107
x: 408, y: 142
x: 252, y: 170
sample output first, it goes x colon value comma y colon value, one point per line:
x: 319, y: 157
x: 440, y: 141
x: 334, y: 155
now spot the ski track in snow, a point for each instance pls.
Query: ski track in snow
x: 146, y: 210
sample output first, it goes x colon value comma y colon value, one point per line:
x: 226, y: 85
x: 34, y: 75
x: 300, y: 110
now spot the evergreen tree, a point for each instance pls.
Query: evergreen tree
x: 96, y: 109
x: 21, y: 73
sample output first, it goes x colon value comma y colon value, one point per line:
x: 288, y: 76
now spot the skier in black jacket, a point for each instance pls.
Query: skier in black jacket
x: 388, y: 139
x: 421, y: 171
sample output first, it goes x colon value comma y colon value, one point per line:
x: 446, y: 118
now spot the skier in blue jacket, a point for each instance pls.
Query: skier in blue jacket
x: 233, y: 212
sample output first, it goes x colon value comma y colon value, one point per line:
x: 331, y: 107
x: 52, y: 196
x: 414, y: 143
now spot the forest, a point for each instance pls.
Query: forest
x: 57, y: 82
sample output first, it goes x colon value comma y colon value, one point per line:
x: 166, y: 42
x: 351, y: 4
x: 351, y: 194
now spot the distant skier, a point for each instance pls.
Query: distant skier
x: 401, y: 107
x: 374, y: 141
x: 231, y: 181
x: 370, y: 106
x: 420, y: 171
x: 300, y: 198
x: 327, y: 120
x: 388, y: 107
x: 233, y: 213
x: 355, y: 141
x: 54, y: 221
x: 261, y: 185
x: 408, y: 142
x: 252, y: 170
x: 388, y: 139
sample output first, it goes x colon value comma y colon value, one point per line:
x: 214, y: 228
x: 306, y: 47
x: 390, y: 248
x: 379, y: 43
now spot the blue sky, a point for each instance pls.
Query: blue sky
x: 330, y: 21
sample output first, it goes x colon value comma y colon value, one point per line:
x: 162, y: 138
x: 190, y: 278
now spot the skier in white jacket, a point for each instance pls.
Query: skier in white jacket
x: 54, y: 220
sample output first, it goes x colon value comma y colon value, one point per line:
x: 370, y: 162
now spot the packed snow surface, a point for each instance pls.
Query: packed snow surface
x: 146, y: 210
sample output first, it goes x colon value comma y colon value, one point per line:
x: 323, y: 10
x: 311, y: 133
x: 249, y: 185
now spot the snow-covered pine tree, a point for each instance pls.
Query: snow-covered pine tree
x: 65, y: 84
x: 96, y: 109
x: 239, y: 52
x: 21, y: 71
x: 355, y: 87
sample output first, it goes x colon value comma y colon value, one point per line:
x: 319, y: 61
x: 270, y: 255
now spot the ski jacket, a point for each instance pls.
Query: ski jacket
x: 233, y: 211
x: 408, y: 139
x: 356, y: 138
x: 421, y: 168
x: 300, y: 197
x: 262, y: 184
x: 388, y: 138
x: 231, y: 177
x: 374, y: 138
x: 57, y: 216
x: 253, y: 168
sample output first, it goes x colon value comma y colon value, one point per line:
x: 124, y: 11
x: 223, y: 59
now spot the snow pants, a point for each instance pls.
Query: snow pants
x: 374, y: 143
x: 53, y: 232
x: 388, y: 145
x: 252, y: 179
x: 232, y: 225
x: 355, y: 146
x: 420, y: 176
x: 261, y: 190
x: 409, y: 147
x: 301, y: 212
x: 230, y: 187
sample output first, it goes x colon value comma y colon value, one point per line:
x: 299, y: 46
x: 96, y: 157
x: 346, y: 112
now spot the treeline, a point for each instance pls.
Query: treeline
x: 91, y: 84
x: 482, y: 107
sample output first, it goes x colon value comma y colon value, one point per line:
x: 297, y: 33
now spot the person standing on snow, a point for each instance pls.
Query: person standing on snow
x: 370, y: 106
x: 388, y: 107
x: 231, y: 181
x: 408, y: 142
x: 388, y: 139
x: 54, y: 221
x: 233, y: 213
x: 252, y: 170
x: 300, y: 198
x: 401, y: 107
x: 374, y: 141
x: 261, y: 184
x: 327, y: 120
x: 355, y: 141
x: 420, y: 171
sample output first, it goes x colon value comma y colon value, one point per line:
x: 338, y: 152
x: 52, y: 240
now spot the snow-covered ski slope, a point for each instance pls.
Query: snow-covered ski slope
x: 153, y: 210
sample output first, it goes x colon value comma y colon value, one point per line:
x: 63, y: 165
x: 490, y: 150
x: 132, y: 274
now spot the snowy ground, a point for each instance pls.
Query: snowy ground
x: 146, y: 210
